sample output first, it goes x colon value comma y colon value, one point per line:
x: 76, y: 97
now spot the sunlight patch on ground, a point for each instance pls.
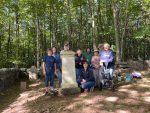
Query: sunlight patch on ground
x: 111, y: 99
x: 145, y: 85
x: 122, y: 111
x: 146, y: 93
x: 73, y: 105
x: 19, y: 105
x: 35, y: 84
x: 126, y: 86
x: 133, y: 94
x: 147, y: 99
x: 90, y: 110
x: 94, y: 100
x: 123, y: 90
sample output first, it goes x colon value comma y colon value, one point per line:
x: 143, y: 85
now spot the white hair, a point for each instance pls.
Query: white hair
x: 106, y: 45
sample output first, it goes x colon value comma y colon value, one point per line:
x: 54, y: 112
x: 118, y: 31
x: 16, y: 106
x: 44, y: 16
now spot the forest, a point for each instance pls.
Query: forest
x: 29, y: 27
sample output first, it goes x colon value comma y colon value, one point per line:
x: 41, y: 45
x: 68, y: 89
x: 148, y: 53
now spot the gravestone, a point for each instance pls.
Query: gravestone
x: 32, y: 73
x: 23, y: 86
x: 69, y: 84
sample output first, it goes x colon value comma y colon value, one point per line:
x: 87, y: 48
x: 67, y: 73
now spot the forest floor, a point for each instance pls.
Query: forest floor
x: 129, y: 98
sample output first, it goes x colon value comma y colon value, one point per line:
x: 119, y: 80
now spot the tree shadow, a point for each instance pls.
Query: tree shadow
x: 128, y: 98
x: 8, y: 96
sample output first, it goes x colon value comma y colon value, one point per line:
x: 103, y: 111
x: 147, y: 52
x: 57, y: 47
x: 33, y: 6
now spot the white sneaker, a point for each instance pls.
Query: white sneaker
x: 51, y: 88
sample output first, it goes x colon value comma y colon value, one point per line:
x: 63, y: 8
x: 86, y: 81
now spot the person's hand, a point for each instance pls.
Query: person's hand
x: 97, y: 66
x: 83, y: 81
x: 101, y: 63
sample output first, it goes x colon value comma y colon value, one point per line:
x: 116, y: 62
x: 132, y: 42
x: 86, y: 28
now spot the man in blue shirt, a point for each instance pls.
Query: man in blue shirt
x: 58, y: 65
x: 49, y: 68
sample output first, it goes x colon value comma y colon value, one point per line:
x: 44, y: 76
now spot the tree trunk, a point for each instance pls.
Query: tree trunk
x: 116, y: 32
x: 17, y: 27
x: 37, y: 38
x: 8, y: 41
x: 124, y: 30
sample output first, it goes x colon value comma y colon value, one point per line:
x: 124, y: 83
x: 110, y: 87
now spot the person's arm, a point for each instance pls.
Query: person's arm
x: 55, y: 66
x: 81, y: 77
x: 43, y: 68
x: 111, y: 56
x: 101, y: 62
x: 92, y: 61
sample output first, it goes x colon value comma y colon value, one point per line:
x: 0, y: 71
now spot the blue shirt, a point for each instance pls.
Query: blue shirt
x: 58, y: 60
x: 49, y: 63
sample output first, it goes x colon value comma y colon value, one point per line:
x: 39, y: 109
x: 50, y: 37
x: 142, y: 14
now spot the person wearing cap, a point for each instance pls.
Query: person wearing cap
x: 96, y: 66
x: 49, y: 68
x: 88, y: 55
x: 86, y: 80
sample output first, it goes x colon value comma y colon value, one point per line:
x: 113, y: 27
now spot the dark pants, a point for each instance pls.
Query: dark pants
x: 49, y: 77
x: 78, y: 73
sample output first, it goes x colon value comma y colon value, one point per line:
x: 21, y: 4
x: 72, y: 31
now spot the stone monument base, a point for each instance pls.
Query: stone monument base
x: 70, y: 91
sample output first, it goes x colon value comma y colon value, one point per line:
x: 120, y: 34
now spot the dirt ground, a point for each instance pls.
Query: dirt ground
x: 130, y: 98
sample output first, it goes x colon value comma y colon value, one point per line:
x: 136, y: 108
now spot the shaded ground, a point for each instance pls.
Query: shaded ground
x: 131, y: 98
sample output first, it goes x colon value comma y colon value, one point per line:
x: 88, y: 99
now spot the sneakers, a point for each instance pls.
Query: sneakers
x: 51, y: 88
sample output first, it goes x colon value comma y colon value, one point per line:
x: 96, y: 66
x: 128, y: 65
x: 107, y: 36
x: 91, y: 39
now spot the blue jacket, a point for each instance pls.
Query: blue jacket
x: 87, y: 75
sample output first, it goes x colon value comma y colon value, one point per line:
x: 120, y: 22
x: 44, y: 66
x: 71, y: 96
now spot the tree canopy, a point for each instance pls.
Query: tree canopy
x: 28, y: 27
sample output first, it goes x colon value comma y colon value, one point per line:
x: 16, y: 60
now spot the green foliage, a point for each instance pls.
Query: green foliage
x: 143, y: 32
x: 58, y: 21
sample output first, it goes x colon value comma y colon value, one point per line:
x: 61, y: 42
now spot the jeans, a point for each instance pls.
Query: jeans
x: 96, y: 76
x: 49, y: 77
x: 78, y: 73
x: 59, y: 76
x: 87, y: 85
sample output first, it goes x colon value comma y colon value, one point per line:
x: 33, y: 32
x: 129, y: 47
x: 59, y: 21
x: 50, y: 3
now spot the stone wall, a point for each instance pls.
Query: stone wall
x: 139, y: 65
x: 8, y: 77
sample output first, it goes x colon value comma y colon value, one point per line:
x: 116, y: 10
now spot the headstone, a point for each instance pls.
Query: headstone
x: 32, y: 73
x: 69, y: 84
x: 23, y: 86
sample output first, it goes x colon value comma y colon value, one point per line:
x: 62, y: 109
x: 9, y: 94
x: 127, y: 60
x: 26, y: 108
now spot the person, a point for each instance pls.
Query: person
x: 58, y: 66
x: 86, y: 80
x: 96, y: 66
x: 78, y: 63
x: 107, y: 58
x: 88, y: 55
x: 100, y: 47
x: 66, y: 46
x: 49, y: 68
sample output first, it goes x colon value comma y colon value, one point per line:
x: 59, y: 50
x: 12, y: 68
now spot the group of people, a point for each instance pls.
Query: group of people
x: 89, y: 66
